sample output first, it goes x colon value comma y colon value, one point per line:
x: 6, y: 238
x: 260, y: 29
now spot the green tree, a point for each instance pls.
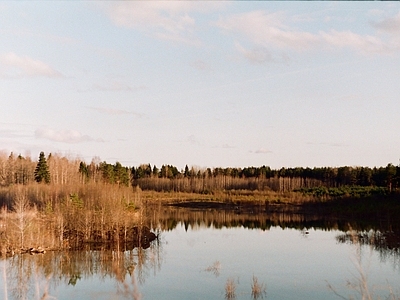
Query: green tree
x: 11, y: 169
x: 42, y: 173
x: 121, y: 174
x: 186, y: 172
x: 390, y: 176
x: 107, y: 171
x: 84, y: 171
x: 155, y: 171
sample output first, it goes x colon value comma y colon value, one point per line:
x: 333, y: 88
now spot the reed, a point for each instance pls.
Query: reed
x: 215, y: 268
x: 360, y: 282
x: 38, y: 216
x: 230, y: 289
x: 258, y: 290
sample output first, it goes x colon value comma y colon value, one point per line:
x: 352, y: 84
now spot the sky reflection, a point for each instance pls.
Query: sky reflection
x: 292, y: 265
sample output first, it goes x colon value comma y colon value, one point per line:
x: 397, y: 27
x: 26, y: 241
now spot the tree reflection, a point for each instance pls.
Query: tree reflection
x: 383, y: 236
x: 168, y: 217
x: 35, y: 276
x: 386, y: 243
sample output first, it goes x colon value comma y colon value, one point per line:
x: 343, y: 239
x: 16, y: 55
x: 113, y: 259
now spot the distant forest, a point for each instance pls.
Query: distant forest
x: 58, y: 169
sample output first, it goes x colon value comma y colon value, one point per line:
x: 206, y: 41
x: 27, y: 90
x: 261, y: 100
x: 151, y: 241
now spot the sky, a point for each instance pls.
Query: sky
x: 207, y: 84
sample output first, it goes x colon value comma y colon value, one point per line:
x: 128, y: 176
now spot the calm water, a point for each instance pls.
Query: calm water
x: 195, y: 261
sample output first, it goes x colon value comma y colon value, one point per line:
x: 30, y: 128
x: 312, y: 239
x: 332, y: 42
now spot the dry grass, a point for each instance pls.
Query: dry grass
x: 230, y: 289
x: 258, y: 290
x: 226, y: 196
x: 215, y: 268
x: 360, y: 281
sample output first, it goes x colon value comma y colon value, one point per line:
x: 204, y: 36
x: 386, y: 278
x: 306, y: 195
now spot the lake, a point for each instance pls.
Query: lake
x: 198, y: 251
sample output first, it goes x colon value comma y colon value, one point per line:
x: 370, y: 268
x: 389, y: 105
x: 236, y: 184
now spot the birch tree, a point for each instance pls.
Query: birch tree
x: 24, y: 215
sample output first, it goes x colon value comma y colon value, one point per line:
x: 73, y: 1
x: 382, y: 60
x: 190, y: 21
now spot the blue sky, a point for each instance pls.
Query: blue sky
x: 208, y: 84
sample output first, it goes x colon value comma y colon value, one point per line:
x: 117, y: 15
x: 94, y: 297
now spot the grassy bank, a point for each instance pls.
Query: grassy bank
x: 41, y: 216
x: 68, y: 216
x: 299, y: 196
x: 231, y: 196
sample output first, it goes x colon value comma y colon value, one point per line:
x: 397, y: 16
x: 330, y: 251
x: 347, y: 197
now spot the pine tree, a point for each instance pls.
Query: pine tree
x: 186, y: 173
x: 42, y: 173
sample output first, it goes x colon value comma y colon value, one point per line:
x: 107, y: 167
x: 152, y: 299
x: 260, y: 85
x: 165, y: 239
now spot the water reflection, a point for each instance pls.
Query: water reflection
x: 192, y: 245
x: 36, y: 276
x: 378, y: 234
x: 387, y: 244
x: 167, y: 217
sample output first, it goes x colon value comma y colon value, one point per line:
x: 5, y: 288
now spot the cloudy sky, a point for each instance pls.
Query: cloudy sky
x: 209, y: 84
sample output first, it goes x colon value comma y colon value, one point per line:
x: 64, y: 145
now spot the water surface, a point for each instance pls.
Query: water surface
x: 194, y: 261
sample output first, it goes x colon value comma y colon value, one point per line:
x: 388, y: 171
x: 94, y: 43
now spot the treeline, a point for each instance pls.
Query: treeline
x: 58, y: 169
x: 339, y: 176
x: 261, y: 178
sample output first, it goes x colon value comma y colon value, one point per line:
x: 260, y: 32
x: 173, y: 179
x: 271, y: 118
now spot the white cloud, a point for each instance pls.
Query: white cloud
x: 28, y: 33
x: 262, y: 151
x: 375, y: 12
x: 328, y: 144
x: 15, y: 66
x: 364, y: 44
x: 9, y: 133
x: 164, y: 21
x: 113, y: 86
x: 267, y: 30
x: 389, y: 25
x: 201, y: 65
x: 256, y: 55
x: 227, y: 146
x: 113, y: 111
x: 169, y: 20
x: 63, y: 136
x: 270, y: 32
x: 191, y: 139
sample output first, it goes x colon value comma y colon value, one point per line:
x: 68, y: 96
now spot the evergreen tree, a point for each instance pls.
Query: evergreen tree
x: 155, y: 171
x: 186, y: 172
x: 42, y: 173
x: 84, y: 170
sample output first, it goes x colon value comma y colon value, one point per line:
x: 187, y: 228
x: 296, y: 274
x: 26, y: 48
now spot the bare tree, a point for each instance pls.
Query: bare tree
x: 24, y: 215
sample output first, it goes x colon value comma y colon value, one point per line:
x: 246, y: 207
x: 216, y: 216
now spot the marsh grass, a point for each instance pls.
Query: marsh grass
x: 258, y: 290
x: 230, y: 289
x: 64, y: 217
x: 215, y: 268
x: 359, y: 283
x: 231, y: 196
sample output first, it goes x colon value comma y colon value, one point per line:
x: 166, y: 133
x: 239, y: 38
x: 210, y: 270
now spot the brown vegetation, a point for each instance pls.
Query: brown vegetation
x: 258, y: 290
x: 207, y: 185
x: 35, y: 276
x: 103, y: 205
x: 230, y: 289
x: 70, y: 216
